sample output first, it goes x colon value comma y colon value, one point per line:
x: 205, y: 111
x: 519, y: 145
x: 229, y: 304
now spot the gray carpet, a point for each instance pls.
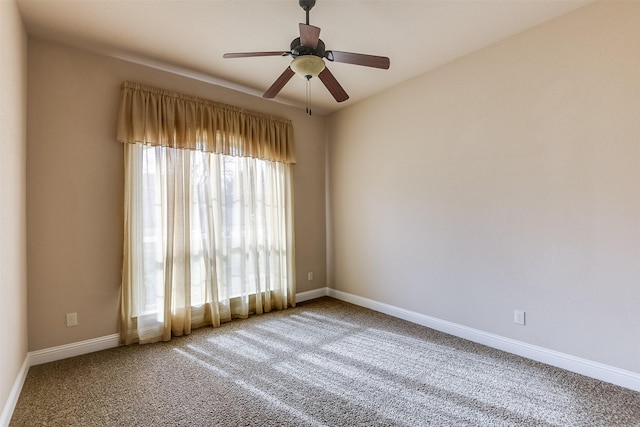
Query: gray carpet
x: 323, y: 363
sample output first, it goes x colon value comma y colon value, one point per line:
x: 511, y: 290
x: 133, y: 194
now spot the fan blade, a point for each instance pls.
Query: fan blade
x: 277, y: 86
x: 332, y: 85
x: 358, y: 59
x: 251, y: 54
x: 309, y: 35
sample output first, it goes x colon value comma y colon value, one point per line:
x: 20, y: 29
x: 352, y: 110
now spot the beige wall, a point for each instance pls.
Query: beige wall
x: 13, y: 237
x: 508, y: 179
x: 75, y: 187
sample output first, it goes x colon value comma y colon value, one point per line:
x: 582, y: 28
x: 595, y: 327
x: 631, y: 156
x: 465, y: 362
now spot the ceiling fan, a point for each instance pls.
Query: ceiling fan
x: 308, y: 52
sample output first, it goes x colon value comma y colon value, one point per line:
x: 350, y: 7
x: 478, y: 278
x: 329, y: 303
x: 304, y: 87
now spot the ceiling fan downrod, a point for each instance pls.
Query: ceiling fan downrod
x: 307, y: 5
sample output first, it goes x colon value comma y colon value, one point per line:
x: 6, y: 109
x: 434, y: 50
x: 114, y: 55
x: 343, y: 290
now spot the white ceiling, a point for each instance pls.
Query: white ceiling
x: 190, y: 36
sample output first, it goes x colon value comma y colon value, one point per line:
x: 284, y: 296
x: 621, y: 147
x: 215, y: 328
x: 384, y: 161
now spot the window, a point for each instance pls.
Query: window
x: 208, y: 235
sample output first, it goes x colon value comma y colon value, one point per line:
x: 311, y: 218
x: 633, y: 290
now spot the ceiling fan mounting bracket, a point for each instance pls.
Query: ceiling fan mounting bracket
x: 307, y: 5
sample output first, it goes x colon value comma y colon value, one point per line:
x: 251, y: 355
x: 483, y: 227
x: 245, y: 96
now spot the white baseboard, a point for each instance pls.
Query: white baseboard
x: 60, y: 352
x: 14, y: 394
x: 313, y: 294
x: 571, y: 363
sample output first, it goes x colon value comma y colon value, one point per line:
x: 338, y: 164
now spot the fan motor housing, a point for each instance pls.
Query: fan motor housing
x: 298, y: 49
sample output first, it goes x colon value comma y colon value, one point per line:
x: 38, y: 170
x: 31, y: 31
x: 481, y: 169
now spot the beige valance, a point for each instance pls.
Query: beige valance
x: 160, y: 117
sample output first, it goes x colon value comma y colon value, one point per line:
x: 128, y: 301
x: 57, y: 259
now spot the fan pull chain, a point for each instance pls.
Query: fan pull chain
x: 308, y: 95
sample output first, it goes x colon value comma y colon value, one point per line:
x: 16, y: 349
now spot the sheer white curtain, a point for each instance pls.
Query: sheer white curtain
x: 210, y: 238
x: 208, y: 232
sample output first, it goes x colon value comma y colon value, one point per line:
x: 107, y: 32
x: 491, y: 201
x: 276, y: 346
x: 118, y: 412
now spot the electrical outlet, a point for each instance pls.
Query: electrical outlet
x: 72, y: 319
x: 518, y: 317
x: 310, y: 275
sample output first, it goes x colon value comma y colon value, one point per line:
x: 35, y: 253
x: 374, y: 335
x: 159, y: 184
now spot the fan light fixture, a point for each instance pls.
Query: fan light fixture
x: 307, y: 66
